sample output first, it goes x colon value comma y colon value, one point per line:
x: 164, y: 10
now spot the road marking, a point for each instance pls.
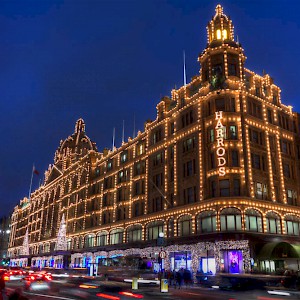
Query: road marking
x: 50, y: 296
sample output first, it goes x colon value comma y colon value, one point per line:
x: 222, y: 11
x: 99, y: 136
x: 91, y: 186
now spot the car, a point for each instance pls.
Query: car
x: 37, y: 282
x: 87, y: 288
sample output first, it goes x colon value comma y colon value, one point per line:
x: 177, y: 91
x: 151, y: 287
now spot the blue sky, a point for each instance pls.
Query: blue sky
x: 106, y: 61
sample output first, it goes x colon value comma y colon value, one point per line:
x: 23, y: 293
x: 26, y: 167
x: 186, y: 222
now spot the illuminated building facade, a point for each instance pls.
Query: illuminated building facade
x: 217, y: 172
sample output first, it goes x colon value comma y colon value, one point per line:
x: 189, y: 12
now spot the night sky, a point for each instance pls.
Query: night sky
x: 108, y: 61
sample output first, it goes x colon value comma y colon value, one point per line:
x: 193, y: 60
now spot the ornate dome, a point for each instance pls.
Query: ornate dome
x: 75, y: 146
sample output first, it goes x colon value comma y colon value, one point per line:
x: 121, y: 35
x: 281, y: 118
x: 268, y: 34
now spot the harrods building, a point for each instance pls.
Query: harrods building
x: 217, y: 172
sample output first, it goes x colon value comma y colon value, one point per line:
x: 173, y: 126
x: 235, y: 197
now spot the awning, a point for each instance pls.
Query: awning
x: 281, y: 250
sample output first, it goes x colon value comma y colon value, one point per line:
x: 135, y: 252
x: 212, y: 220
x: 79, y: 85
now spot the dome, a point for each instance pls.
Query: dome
x: 76, y: 145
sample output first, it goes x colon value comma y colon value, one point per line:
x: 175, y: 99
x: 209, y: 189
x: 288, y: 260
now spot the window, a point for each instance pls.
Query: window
x: 231, y: 70
x: 139, y: 168
x: 134, y: 233
x: 124, y: 156
x: 253, y: 221
x: 291, y: 197
x: 211, y: 135
x: 220, y: 104
x: 189, y: 168
x: 255, y: 161
x: 187, y: 118
x: 184, y: 226
x: 188, y: 144
x: 153, y: 230
x: 101, y: 239
x: 224, y: 188
x: 116, y: 236
x: 189, y: 195
x: 232, y: 132
x: 231, y: 219
x: 254, y: 109
x: 172, y: 128
x: 214, y: 189
x: 273, y: 223
x: 292, y: 224
x: 286, y: 170
x: 236, y: 187
x: 109, y: 165
x: 234, y: 158
x: 157, y: 136
x: 140, y: 148
x: 138, y: 209
x: 158, y: 159
x: 261, y: 190
x: 206, y: 222
x: 270, y: 116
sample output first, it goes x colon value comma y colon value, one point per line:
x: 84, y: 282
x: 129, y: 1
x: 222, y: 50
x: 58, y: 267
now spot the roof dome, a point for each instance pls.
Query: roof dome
x: 76, y: 145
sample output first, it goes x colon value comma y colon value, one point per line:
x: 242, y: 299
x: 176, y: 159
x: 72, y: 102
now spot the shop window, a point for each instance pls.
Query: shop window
x: 89, y: 241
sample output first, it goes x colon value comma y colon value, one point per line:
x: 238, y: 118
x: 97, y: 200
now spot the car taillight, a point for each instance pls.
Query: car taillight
x: 6, y: 278
x: 132, y: 295
x: 105, y: 296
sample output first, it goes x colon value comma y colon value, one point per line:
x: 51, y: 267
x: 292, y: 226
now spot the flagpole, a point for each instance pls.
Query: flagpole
x: 31, y: 182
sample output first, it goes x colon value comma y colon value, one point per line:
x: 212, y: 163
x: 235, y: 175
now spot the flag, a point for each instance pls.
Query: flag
x: 35, y: 171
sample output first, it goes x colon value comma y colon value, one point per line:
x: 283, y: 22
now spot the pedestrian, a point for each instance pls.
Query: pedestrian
x: 178, y: 279
x: 2, y: 286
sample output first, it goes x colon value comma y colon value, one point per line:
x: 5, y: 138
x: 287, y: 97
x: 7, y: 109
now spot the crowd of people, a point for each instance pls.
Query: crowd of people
x: 179, y: 278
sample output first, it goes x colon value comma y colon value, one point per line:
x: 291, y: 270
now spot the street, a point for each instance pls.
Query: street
x: 57, y: 291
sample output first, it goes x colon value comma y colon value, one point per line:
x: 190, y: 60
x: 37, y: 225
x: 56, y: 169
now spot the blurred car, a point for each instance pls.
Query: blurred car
x: 85, y: 288
x: 37, y: 281
x: 10, y: 275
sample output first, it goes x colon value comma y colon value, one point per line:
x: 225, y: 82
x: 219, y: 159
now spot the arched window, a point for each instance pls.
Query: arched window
x: 171, y: 227
x: 89, y: 241
x: 101, y: 239
x: 273, y: 223
x: 184, y: 225
x: 116, y: 236
x: 153, y: 229
x: 231, y: 219
x: 134, y: 233
x: 292, y: 224
x: 253, y: 220
x: 80, y: 242
x: 206, y: 222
